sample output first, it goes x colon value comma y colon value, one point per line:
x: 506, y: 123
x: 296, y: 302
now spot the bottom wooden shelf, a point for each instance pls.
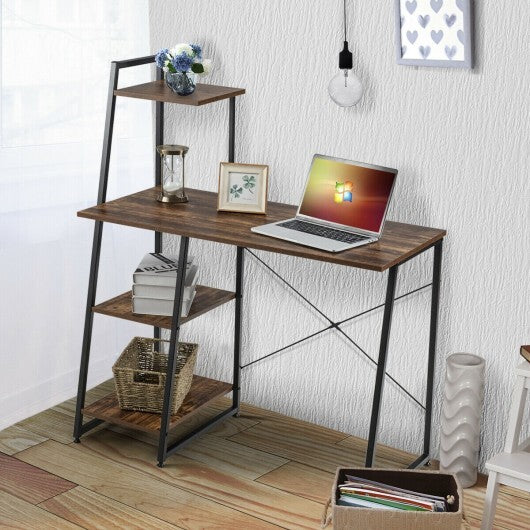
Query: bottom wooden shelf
x: 203, y: 390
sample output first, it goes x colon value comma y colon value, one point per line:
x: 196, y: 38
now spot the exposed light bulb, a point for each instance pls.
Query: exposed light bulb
x: 345, y: 88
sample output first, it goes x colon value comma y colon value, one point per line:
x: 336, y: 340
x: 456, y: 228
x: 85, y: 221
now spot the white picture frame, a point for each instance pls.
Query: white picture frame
x: 242, y: 188
x: 434, y: 33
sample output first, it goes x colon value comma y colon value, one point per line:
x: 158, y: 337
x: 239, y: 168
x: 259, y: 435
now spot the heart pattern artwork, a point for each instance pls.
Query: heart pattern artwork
x: 424, y: 20
x: 411, y: 6
x: 412, y: 36
x: 437, y: 36
x: 437, y: 5
x: 433, y: 30
x: 450, y: 20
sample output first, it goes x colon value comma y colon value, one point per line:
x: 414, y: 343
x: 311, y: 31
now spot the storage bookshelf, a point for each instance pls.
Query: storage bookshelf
x: 203, y: 390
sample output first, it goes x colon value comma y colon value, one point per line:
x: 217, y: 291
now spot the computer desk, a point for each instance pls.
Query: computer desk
x: 200, y: 219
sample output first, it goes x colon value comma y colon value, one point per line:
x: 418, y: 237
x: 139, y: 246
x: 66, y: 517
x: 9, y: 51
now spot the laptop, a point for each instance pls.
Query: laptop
x: 344, y: 206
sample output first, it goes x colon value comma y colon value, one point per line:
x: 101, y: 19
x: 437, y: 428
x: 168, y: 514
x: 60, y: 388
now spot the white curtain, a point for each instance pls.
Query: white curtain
x: 55, y: 62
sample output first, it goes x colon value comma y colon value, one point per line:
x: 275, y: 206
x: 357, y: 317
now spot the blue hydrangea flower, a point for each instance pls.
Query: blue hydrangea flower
x: 161, y: 58
x: 197, y: 50
x: 182, y: 62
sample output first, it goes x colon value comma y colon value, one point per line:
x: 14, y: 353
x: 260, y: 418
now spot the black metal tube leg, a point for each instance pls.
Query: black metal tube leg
x: 173, y: 348
x: 435, y: 304
x: 236, y: 388
x: 159, y: 140
x: 231, y: 128
x: 381, y: 365
x: 96, y: 251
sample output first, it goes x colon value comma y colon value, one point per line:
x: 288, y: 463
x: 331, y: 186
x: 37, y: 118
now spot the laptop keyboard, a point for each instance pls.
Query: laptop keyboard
x: 322, y: 231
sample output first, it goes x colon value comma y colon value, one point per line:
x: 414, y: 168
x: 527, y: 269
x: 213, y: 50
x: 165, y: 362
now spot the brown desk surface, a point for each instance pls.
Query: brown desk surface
x: 200, y: 219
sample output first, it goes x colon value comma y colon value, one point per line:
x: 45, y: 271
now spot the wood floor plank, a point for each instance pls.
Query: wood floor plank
x: 231, y: 457
x: 96, y: 512
x: 258, y: 500
x: 286, y: 422
x: 19, y: 514
x: 384, y: 454
x: 222, y: 454
x: 29, y: 483
x: 306, y: 446
x: 136, y: 489
x: 68, y: 407
x: 16, y: 438
x: 51, y: 424
x: 473, y: 523
x: 305, y: 481
x: 512, y: 512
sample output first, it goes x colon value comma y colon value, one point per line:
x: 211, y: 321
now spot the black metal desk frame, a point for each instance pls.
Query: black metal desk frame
x: 165, y: 450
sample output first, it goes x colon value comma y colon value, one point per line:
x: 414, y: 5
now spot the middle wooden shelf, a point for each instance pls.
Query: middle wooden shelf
x: 206, y: 299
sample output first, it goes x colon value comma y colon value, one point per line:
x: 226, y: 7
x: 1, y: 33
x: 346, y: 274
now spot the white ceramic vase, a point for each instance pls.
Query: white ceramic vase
x: 461, y: 415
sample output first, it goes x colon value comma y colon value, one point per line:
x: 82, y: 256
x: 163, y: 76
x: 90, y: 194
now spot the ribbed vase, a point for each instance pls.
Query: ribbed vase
x: 461, y: 415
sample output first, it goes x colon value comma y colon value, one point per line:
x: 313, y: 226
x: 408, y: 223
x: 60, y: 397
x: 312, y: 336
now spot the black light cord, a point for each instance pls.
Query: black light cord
x: 345, y: 21
x: 345, y: 56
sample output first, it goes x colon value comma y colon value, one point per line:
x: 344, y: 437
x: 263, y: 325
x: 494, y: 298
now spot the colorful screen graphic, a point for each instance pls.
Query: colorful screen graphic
x: 346, y: 194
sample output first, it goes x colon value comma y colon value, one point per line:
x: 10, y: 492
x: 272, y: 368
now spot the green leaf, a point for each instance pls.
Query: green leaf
x: 197, y: 68
x: 171, y: 68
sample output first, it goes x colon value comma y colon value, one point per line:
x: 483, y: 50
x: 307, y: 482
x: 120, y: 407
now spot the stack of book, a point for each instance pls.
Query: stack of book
x: 154, y: 285
x: 363, y: 493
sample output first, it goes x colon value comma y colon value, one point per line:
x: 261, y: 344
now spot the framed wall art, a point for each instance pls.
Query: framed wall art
x: 242, y: 188
x: 434, y: 33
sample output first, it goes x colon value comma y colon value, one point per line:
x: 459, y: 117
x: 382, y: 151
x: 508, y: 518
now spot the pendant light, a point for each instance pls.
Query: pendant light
x: 345, y: 88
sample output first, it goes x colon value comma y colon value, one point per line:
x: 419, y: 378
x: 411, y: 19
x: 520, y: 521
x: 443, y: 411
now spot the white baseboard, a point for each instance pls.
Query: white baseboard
x: 30, y: 401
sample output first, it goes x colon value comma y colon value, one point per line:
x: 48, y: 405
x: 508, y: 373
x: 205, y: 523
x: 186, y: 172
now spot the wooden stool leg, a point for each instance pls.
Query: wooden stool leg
x: 490, y: 502
x: 516, y: 415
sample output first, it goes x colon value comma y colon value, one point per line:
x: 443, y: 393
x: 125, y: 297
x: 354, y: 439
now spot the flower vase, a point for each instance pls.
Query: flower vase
x: 461, y: 414
x: 182, y: 83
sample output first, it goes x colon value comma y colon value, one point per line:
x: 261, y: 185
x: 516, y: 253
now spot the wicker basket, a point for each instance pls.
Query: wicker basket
x: 140, y: 375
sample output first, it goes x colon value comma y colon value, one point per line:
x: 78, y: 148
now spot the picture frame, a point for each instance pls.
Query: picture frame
x: 434, y: 33
x: 242, y: 188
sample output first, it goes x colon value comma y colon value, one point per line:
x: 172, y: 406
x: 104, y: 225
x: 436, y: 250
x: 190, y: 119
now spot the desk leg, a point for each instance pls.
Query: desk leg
x: 231, y: 128
x: 79, y: 428
x: 236, y: 387
x: 173, y: 348
x: 435, y: 304
x: 159, y: 140
x: 381, y: 365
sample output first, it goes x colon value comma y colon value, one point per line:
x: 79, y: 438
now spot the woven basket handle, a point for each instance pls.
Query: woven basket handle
x: 326, y: 519
x: 134, y: 373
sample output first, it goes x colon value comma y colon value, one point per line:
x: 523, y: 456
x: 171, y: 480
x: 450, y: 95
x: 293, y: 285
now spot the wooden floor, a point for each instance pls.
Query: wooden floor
x: 261, y: 470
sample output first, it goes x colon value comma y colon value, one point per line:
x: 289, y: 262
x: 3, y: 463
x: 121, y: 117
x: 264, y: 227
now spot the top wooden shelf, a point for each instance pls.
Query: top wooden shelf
x: 158, y: 91
x: 200, y: 219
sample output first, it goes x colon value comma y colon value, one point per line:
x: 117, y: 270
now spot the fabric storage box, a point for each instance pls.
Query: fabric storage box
x: 429, y: 482
x: 140, y: 374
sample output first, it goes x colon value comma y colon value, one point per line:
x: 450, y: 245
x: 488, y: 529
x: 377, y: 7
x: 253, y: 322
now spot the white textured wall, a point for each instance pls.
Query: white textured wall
x: 460, y: 141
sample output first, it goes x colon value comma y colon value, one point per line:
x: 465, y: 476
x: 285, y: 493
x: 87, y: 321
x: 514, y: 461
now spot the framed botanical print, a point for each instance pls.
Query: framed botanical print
x: 242, y: 188
x: 434, y: 33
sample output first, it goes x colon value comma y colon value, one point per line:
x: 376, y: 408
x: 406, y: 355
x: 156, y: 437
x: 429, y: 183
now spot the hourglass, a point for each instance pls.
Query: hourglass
x: 172, y: 189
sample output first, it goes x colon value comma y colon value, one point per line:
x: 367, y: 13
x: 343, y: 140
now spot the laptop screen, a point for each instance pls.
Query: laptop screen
x: 347, y: 193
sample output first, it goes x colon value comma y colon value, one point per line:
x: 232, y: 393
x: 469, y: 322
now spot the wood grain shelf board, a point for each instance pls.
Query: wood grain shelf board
x: 158, y: 91
x: 200, y: 219
x: 206, y: 299
x: 202, y: 392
